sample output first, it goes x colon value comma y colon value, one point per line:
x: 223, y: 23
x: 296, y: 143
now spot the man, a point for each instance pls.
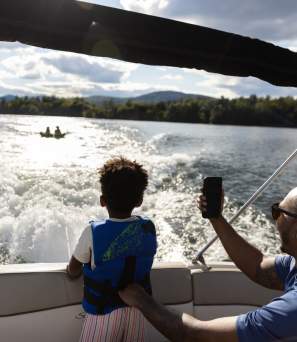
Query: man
x: 276, y: 321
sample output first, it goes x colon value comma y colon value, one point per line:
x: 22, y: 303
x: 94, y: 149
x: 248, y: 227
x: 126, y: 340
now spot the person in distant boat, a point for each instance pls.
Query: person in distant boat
x: 276, y: 321
x: 48, y: 132
x: 113, y: 253
x: 58, y: 133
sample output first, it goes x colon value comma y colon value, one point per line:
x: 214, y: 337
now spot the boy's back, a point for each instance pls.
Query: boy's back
x: 123, y: 253
x: 114, y: 253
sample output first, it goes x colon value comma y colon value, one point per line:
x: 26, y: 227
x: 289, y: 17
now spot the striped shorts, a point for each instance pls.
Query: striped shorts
x: 121, y: 325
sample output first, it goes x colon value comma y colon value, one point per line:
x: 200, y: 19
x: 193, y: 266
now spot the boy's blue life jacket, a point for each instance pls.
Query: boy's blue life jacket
x: 123, y: 254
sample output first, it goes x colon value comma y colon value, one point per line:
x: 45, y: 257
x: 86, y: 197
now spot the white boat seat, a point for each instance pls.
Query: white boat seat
x: 29, y: 292
x: 228, y: 286
x: 225, y: 292
x: 171, y: 283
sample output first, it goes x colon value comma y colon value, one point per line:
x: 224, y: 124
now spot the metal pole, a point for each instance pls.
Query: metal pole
x: 199, y: 257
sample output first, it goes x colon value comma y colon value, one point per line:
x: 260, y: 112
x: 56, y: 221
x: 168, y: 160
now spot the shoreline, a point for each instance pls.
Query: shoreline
x: 145, y: 120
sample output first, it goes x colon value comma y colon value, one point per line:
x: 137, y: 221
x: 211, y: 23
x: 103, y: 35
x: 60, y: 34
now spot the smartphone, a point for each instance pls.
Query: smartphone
x: 212, y: 190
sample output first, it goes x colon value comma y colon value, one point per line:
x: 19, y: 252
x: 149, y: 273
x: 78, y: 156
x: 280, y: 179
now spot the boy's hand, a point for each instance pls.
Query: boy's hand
x: 202, y: 203
x: 74, y: 268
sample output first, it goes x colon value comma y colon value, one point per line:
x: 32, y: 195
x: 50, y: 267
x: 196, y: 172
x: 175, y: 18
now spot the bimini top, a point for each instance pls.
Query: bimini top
x: 80, y: 27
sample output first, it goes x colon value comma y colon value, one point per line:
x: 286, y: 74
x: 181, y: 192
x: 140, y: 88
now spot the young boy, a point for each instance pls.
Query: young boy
x: 113, y: 253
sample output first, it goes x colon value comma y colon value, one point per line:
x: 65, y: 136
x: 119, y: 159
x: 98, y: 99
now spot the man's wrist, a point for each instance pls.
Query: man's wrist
x: 142, y: 300
x: 219, y: 219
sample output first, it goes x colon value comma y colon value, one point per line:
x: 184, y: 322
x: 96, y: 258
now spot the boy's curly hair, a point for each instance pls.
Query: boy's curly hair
x: 123, y: 183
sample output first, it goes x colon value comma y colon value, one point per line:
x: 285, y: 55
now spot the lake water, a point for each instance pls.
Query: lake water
x: 49, y: 188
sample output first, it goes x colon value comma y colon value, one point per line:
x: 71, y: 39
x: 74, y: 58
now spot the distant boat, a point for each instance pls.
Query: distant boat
x: 45, y: 135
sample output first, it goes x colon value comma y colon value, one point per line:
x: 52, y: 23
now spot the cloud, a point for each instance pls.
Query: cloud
x: 252, y: 86
x: 70, y: 89
x: 229, y: 86
x: 11, y: 46
x: 23, y: 66
x: 273, y: 21
x: 145, y: 6
x: 44, y: 72
x: 137, y: 87
x: 109, y: 3
x: 13, y: 89
x: 213, y: 84
x: 85, y: 67
x: 31, y: 63
x: 68, y: 75
x: 172, y: 77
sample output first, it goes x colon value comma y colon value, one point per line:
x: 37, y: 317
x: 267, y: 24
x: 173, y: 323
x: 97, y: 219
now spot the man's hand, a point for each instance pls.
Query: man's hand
x: 176, y: 326
x: 133, y: 294
x: 202, y: 203
x: 245, y: 256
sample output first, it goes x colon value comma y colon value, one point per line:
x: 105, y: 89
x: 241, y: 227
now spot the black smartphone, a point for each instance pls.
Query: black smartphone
x: 212, y: 190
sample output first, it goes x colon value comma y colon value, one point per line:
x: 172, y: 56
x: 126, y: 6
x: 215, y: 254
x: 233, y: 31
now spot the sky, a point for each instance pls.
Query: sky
x: 26, y: 70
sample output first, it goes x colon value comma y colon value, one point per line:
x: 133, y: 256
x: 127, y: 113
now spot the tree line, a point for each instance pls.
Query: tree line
x: 251, y: 111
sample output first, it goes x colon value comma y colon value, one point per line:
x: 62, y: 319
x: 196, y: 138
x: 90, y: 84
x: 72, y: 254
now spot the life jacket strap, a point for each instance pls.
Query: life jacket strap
x: 128, y: 272
x: 104, y: 288
x: 146, y: 283
x: 109, y: 294
x: 102, y: 302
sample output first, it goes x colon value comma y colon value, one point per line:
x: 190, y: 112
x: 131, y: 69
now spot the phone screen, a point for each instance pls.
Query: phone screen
x: 212, y: 190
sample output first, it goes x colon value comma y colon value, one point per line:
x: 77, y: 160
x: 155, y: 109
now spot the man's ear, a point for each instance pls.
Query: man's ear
x: 102, y: 201
x: 295, y: 233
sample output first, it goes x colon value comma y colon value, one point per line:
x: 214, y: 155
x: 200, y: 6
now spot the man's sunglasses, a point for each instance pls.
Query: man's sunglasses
x: 276, y: 211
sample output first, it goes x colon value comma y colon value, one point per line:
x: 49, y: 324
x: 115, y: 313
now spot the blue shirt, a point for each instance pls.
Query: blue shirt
x: 276, y: 321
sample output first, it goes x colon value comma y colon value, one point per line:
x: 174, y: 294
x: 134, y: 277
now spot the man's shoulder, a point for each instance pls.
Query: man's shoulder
x: 284, y: 264
x: 285, y: 261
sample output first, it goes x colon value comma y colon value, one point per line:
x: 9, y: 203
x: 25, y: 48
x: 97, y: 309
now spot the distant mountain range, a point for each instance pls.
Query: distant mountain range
x: 8, y: 97
x: 155, y: 97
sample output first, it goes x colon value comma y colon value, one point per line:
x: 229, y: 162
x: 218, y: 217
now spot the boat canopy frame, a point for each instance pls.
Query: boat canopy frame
x: 96, y: 30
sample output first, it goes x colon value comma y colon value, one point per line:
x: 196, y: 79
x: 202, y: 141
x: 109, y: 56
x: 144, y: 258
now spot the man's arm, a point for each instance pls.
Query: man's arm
x: 74, y: 268
x: 246, y: 257
x: 266, y: 274
x: 179, y: 327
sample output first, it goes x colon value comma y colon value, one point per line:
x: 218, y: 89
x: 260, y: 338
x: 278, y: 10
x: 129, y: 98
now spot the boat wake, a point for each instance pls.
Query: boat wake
x: 46, y: 200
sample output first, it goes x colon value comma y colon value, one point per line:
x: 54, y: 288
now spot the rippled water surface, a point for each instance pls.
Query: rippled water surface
x: 49, y: 189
